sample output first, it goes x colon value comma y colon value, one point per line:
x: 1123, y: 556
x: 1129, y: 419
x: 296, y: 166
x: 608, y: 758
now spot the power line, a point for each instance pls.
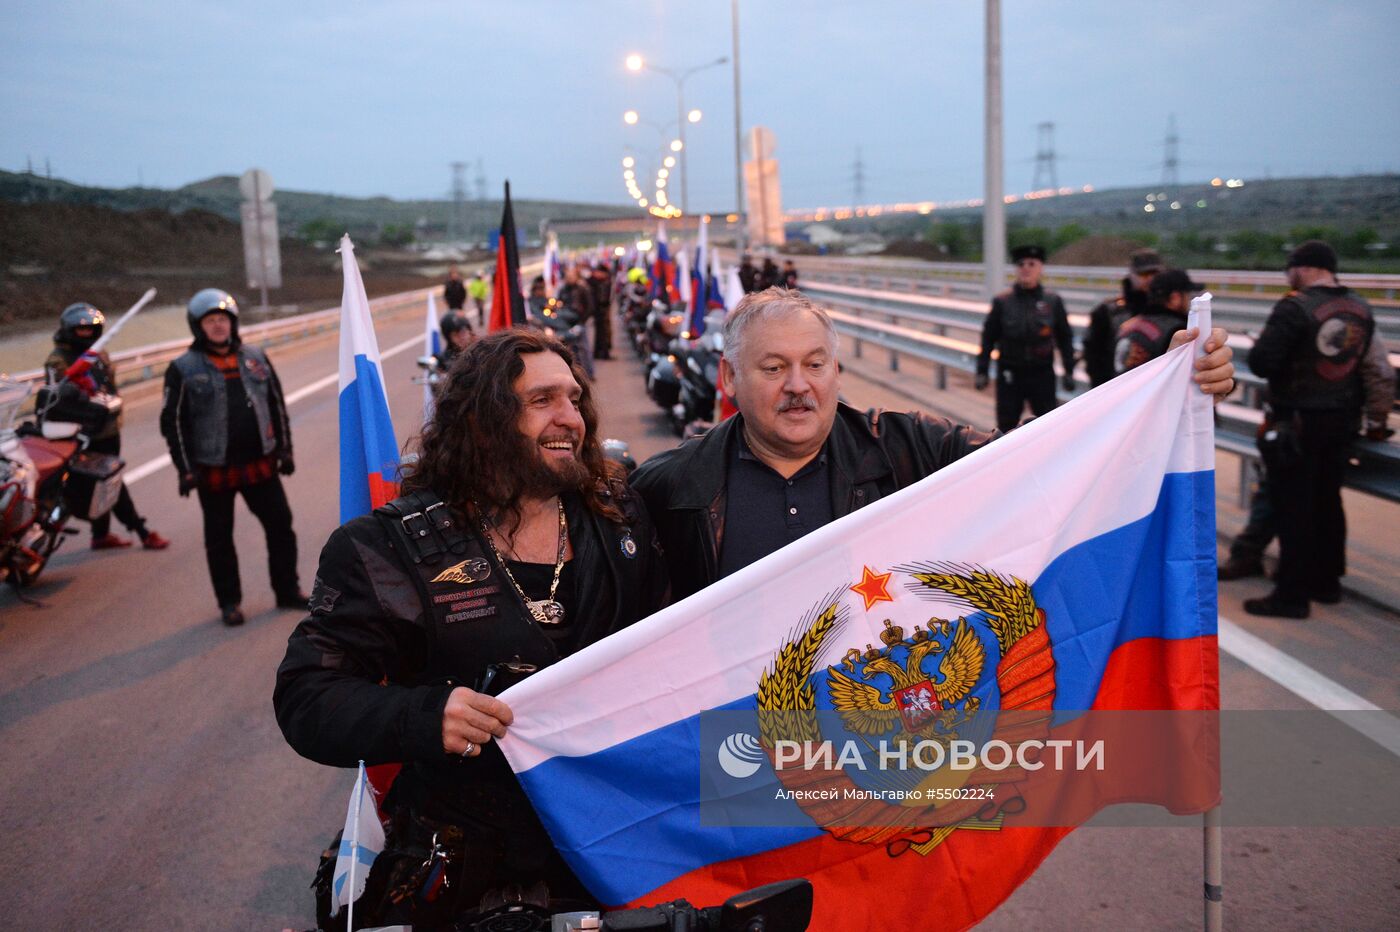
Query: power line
x: 1171, y: 177
x: 455, y: 226
x: 1045, y: 158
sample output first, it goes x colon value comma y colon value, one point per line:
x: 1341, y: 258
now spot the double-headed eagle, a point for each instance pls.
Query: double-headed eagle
x: 865, y: 710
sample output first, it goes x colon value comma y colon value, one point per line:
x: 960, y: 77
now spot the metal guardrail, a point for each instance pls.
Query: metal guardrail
x: 1238, y: 314
x: 1374, y: 469
x: 150, y: 361
x: 1267, y: 284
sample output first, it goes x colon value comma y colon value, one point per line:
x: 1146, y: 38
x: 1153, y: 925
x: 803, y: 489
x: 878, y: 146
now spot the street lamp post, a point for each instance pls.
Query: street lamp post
x: 637, y: 63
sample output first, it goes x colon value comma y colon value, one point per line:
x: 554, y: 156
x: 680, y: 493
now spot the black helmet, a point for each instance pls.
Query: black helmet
x: 78, y: 315
x: 207, y: 302
x: 453, y: 321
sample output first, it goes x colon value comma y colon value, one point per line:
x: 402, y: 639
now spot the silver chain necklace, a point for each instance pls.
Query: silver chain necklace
x: 545, y: 611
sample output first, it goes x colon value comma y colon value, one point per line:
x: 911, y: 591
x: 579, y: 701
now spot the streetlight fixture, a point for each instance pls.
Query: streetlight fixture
x: 628, y: 161
x: 630, y: 118
x: 670, y: 161
x: 635, y: 62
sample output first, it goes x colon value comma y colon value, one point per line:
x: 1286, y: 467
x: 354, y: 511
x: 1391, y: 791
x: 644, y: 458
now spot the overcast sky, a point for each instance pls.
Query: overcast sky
x: 367, y: 99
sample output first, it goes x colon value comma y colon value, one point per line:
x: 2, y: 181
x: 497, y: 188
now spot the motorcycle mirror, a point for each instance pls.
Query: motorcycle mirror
x: 785, y: 906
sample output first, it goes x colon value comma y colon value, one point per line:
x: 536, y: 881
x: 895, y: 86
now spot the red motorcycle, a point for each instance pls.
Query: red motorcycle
x: 47, y: 474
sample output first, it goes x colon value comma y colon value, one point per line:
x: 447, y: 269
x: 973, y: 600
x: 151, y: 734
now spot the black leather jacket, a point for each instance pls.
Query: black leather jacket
x: 1026, y: 326
x: 871, y: 453
x: 368, y: 672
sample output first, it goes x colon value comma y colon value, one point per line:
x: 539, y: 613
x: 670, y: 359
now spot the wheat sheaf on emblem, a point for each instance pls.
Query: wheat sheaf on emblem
x: 1006, y: 601
x: 787, y: 701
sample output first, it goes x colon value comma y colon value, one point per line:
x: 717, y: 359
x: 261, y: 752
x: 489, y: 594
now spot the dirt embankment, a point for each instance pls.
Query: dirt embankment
x: 52, y: 254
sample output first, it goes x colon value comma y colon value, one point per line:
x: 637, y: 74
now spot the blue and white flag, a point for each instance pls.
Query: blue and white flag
x: 369, y: 453
x: 432, y: 346
x: 360, y: 844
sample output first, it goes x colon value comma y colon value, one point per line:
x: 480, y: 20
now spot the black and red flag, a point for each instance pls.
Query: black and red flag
x: 507, y: 302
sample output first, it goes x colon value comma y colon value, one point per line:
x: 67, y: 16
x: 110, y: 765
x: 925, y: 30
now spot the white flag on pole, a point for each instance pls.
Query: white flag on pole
x: 432, y: 346
x: 360, y: 844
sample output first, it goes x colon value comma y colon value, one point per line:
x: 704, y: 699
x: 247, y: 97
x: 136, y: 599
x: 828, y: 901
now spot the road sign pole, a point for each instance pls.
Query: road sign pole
x: 262, y: 245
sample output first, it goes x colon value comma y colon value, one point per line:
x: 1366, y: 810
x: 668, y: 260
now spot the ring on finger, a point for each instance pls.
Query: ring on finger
x: 469, y: 749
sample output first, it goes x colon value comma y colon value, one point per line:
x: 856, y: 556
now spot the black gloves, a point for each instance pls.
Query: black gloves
x: 187, y: 485
x: 979, y: 381
x: 285, y: 465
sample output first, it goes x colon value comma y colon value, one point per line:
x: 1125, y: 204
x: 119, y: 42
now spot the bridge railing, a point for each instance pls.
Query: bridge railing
x: 923, y: 333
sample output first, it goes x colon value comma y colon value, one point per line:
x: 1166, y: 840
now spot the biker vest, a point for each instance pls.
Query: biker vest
x: 1027, y: 327
x: 206, y: 393
x: 1144, y: 337
x: 1325, y: 376
x: 479, y: 633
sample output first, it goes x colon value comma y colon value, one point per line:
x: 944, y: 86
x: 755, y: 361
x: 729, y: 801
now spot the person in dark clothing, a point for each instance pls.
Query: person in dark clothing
x: 1025, y: 326
x: 576, y: 295
x: 748, y: 274
x: 768, y: 276
x: 79, y: 327
x: 1109, y: 315
x: 789, y: 275
x: 600, y: 281
x: 795, y: 457
x: 454, y: 292
x: 225, y: 421
x: 457, y: 335
x: 1312, y: 350
x: 1147, y: 335
x: 515, y: 545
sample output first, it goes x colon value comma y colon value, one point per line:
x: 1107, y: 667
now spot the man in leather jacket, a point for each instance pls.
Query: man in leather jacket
x: 1313, y: 350
x: 510, y: 549
x: 79, y: 327
x: 1026, y: 325
x: 1110, y: 314
x: 225, y: 422
x: 796, y: 458
x: 1146, y: 335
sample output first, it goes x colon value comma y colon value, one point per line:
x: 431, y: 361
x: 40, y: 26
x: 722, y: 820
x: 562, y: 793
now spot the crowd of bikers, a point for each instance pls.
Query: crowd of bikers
x: 512, y: 519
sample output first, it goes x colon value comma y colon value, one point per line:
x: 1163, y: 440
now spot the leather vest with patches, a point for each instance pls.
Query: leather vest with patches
x: 1326, y: 374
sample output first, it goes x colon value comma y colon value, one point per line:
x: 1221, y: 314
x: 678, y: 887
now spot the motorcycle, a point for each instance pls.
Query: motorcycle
x: 48, y: 475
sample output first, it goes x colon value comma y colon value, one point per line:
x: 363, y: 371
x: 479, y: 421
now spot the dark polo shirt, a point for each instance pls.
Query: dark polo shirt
x: 765, y: 512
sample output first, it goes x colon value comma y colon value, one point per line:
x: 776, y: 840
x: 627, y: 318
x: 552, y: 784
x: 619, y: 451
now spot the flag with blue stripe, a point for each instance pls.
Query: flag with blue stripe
x: 369, y: 453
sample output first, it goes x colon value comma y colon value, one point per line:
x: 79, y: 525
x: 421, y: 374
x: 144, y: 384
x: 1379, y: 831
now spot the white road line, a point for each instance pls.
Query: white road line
x: 1307, y: 684
x: 137, y: 473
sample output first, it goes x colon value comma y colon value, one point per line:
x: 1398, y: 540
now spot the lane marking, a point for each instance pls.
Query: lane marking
x: 136, y: 474
x: 1308, y: 684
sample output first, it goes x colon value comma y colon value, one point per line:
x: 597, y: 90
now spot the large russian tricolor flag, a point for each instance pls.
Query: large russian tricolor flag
x: 369, y: 454
x: 1065, y: 569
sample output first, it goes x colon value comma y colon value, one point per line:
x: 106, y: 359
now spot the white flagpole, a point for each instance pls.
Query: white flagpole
x: 121, y: 321
x: 355, y: 847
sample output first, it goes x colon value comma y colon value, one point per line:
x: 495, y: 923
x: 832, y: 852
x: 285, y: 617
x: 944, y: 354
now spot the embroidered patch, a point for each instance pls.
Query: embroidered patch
x: 323, y: 598
x: 629, y: 546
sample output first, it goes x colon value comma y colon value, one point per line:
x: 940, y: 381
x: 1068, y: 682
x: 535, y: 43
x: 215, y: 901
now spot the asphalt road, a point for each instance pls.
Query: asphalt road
x: 147, y: 785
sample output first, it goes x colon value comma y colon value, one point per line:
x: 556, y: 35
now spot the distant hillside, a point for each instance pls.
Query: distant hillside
x: 1214, y: 225
x: 300, y: 211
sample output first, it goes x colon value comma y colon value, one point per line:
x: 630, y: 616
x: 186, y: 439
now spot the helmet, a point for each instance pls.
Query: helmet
x: 78, y: 315
x: 636, y: 275
x: 207, y: 302
x: 453, y: 321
